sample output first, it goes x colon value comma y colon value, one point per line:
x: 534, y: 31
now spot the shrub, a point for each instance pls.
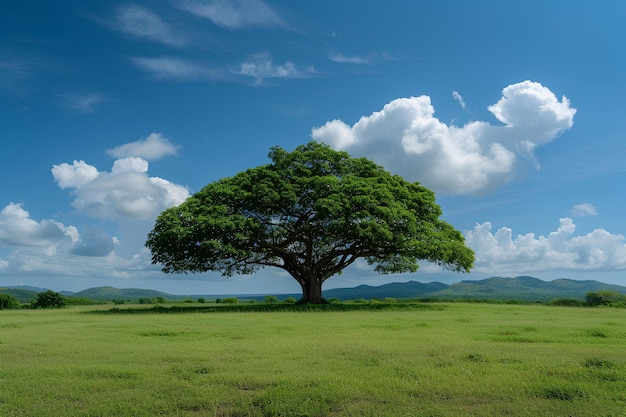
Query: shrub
x: 201, y: 300
x: 49, y: 299
x: 566, y: 302
x: 290, y: 300
x: 145, y: 301
x: 604, y: 297
x: 230, y: 300
x: 8, y: 302
x: 270, y: 299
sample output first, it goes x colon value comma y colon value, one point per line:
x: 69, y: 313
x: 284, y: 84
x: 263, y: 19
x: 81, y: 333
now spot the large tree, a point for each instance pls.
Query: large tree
x: 311, y: 212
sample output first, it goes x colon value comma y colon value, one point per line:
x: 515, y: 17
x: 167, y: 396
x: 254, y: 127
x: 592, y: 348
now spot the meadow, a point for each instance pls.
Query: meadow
x: 433, y: 359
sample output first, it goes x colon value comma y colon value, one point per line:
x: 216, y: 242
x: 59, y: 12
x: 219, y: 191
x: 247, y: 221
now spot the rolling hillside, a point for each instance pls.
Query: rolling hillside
x: 523, y: 288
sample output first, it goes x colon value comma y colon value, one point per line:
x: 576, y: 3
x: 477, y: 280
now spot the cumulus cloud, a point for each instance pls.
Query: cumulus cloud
x: 409, y: 140
x: 126, y: 191
x: 260, y: 67
x: 145, y: 24
x: 155, y: 146
x: 561, y: 250
x: 18, y: 229
x: 94, y: 242
x: 584, y: 209
x: 235, y: 14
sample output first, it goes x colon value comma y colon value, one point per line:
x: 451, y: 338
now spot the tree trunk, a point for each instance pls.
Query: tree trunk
x: 312, y: 290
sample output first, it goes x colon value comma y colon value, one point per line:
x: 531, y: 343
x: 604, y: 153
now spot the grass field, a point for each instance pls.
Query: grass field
x: 432, y: 360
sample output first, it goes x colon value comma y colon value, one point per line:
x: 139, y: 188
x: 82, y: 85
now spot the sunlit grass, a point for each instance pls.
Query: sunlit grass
x: 443, y: 360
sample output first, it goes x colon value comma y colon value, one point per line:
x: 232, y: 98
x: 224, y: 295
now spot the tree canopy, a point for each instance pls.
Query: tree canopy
x: 49, y: 299
x: 311, y: 212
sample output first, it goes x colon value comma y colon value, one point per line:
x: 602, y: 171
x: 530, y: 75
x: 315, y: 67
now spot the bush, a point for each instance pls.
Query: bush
x: 270, y: 299
x: 49, y: 299
x: 604, y: 297
x: 230, y: 300
x: 201, y: 300
x: 566, y: 302
x: 290, y: 300
x: 8, y: 302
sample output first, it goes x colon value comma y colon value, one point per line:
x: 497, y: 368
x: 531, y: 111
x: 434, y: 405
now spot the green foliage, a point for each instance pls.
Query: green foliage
x: 81, y: 301
x: 201, y: 300
x: 290, y: 300
x: 230, y: 300
x: 49, y: 299
x: 270, y: 299
x: 311, y: 212
x: 606, y: 298
x: 8, y: 302
x: 566, y: 302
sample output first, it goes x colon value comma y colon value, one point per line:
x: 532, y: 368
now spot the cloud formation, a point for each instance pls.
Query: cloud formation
x: 235, y: 14
x: 145, y: 24
x: 125, y: 192
x: 459, y: 98
x: 584, y: 209
x: 407, y: 139
x: 349, y: 59
x: 260, y: 67
x: 155, y: 146
x: 18, y: 229
x: 81, y: 103
x: 176, y: 69
x: 499, y: 253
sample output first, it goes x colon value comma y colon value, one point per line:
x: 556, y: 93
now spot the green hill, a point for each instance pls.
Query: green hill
x: 111, y: 293
x: 524, y: 288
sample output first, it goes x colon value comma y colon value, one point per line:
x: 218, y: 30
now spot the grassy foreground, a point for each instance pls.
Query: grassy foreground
x: 435, y: 360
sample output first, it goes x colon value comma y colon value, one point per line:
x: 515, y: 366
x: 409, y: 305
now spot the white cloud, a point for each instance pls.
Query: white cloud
x: 346, y: 59
x: 126, y: 191
x: 81, y: 103
x: 18, y: 229
x: 155, y: 146
x: 94, y: 242
x: 260, y: 67
x: 235, y: 14
x: 168, y: 68
x: 75, y: 175
x: 407, y: 139
x: 459, y: 98
x: 498, y: 252
x: 584, y: 209
x: 145, y: 24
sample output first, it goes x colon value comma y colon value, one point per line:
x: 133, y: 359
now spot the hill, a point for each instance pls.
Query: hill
x: 524, y: 288
x: 410, y: 289
x: 132, y: 294
x: 23, y: 293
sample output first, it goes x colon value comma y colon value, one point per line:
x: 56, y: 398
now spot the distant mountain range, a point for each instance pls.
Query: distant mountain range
x: 521, y: 288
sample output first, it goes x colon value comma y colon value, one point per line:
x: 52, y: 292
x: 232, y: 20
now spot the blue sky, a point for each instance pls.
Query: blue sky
x: 111, y: 111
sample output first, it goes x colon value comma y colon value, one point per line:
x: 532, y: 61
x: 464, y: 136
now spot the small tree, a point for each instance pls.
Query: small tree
x: 49, y: 299
x: 604, y: 297
x: 8, y: 302
x: 311, y: 212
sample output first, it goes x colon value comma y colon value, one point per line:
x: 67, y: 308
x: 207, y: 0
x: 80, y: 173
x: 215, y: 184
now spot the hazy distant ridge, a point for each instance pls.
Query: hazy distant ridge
x: 523, y: 288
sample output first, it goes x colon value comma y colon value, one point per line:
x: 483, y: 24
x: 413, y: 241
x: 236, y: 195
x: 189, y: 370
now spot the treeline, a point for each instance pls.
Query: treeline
x: 51, y: 299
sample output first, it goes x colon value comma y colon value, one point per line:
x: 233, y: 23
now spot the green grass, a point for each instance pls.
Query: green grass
x: 441, y: 359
